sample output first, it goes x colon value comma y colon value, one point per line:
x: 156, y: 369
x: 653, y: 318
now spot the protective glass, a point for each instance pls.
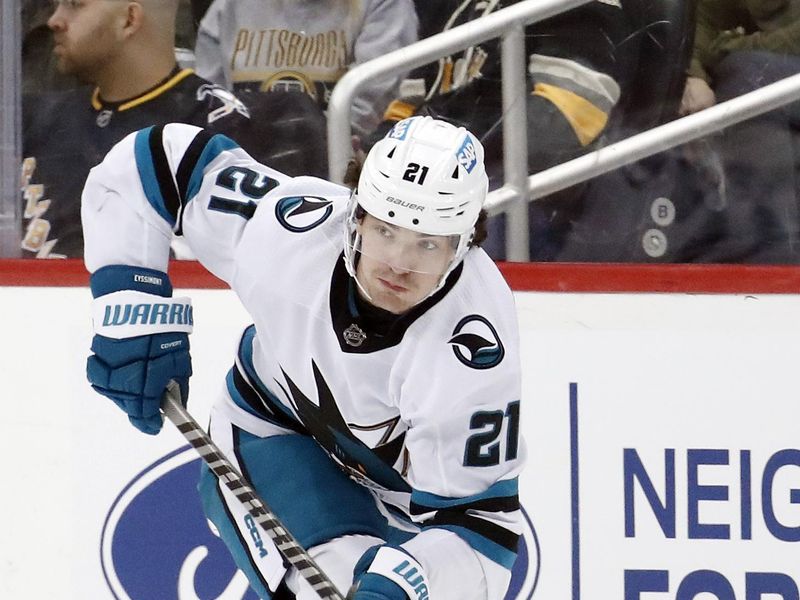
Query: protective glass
x: 403, y: 250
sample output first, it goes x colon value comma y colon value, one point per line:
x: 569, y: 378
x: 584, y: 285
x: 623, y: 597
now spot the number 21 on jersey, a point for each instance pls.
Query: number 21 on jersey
x: 249, y: 187
x: 488, y: 445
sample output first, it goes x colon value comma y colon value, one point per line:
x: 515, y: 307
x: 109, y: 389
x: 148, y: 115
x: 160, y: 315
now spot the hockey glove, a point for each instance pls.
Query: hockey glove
x: 141, y: 341
x: 388, y: 573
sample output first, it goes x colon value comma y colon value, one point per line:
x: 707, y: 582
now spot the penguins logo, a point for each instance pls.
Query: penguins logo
x: 302, y: 213
x: 476, y: 344
x: 230, y: 103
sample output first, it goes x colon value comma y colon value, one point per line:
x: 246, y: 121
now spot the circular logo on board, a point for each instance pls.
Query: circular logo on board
x: 154, y: 546
x: 525, y: 572
x: 156, y: 542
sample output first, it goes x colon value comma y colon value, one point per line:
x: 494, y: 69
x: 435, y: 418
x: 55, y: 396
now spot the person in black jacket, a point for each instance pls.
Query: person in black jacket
x: 124, y: 52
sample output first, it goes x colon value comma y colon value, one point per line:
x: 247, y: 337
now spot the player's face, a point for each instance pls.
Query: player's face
x: 397, y: 267
x: 87, y: 34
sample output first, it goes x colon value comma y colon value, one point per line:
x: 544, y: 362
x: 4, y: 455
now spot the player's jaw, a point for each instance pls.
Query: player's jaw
x: 398, y: 268
x: 391, y: 289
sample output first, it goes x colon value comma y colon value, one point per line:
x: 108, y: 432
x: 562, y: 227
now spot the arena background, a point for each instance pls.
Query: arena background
x: 659, y: 408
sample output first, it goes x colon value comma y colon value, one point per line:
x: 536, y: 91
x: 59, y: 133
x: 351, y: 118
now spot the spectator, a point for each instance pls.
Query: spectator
x: 125, y: 51
x: 307, y: 45
x: 663, y: 208
x: 573, y: 72
x: 39, y: 72
x: 727, y: 27
x: 740, y: 46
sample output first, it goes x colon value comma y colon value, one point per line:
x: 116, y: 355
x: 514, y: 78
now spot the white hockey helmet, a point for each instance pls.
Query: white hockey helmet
x: 427, y: 176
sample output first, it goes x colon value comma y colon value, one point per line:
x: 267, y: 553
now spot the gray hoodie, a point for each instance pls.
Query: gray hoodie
x: 305, y: 45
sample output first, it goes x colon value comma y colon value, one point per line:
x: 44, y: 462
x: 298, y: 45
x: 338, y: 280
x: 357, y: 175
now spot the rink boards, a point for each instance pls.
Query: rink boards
x: 662, y: 430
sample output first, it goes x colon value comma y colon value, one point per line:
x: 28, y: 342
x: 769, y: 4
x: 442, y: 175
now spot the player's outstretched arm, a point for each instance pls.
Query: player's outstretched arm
x: 156, y: 183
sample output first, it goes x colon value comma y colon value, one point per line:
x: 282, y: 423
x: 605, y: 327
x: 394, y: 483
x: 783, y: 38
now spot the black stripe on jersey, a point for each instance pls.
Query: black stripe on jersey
x: 262, y: 404
x: 189, y: 161
x: 491, y: 531
x: 237, y: 443
x: 166, y: 184
x: 504, y: 504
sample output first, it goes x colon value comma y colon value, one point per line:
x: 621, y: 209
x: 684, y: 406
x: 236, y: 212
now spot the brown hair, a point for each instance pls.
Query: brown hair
x: 353, y: 172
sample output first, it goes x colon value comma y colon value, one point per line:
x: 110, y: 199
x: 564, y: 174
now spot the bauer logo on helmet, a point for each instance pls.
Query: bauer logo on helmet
x: 404, y: 204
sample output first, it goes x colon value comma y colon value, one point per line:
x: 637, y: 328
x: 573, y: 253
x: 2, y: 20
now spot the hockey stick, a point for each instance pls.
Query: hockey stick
x: 288, y: 547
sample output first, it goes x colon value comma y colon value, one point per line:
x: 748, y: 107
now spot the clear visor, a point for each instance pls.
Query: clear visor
x: 403, y: 250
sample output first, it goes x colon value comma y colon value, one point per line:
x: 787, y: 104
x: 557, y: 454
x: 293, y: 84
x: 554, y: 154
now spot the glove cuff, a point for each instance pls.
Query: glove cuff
x: 401, y: 569
x: 115, y: 278
x: 127, y: 314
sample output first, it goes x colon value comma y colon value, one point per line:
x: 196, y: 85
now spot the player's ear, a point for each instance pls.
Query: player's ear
x: 134, y: 17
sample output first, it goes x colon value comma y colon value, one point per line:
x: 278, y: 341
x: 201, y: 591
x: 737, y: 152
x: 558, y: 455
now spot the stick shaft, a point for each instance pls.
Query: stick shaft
x: 287, y: 545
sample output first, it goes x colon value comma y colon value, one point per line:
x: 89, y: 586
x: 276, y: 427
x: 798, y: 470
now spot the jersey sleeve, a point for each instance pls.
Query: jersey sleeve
x: 167, y: 180
x: 465, y: 452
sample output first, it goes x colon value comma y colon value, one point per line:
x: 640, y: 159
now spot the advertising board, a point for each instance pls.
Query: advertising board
x: 664, y: 460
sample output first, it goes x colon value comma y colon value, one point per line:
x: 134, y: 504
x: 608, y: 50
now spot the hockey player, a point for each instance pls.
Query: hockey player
x: 384, y: 351
x: 125, y: 50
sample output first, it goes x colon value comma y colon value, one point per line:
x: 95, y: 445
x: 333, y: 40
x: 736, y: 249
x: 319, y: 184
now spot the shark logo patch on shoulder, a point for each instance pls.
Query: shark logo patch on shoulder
x: 302, y: 213
x: 476, y: 344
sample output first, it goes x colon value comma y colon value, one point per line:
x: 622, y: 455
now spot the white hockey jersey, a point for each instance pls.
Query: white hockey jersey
x: 423, y: 408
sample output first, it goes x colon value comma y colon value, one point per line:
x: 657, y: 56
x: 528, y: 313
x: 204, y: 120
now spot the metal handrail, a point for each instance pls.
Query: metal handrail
x: 506, y: 24
x: 418, y: 54
x: 653, y: 141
